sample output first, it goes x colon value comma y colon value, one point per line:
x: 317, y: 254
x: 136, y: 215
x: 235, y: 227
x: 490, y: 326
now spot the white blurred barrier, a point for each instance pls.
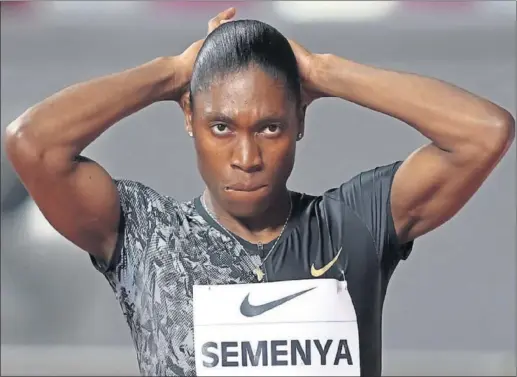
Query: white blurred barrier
x: 121, y: 361
x: 334, y: 11
x: 297, y: 11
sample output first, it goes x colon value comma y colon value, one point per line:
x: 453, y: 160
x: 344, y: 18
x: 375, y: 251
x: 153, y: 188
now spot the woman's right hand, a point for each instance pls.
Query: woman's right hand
x: 184, y: 63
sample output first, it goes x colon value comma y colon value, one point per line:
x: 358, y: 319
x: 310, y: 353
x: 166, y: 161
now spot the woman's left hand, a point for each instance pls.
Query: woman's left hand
x: 307, y: 66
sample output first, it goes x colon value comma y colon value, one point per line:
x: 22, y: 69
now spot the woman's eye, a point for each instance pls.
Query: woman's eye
x: 272, y: 129
x: 220, y: 129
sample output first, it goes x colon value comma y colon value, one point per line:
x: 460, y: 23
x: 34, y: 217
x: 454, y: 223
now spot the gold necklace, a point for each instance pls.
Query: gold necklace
x: 259, y: 273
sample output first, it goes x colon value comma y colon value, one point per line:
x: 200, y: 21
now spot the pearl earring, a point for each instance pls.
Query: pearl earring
x: 299, y: 137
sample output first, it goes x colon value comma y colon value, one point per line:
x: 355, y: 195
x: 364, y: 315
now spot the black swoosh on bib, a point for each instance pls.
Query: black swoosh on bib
x: 249, y: 310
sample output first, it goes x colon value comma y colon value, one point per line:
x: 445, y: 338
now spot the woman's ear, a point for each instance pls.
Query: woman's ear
x: 301, y: 125
x: 187, y: 111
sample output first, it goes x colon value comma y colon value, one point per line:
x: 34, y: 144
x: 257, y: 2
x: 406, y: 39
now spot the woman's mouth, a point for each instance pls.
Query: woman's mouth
x: 245, y: 187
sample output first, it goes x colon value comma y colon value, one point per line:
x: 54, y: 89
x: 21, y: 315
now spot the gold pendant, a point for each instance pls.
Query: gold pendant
x: 259, y: 273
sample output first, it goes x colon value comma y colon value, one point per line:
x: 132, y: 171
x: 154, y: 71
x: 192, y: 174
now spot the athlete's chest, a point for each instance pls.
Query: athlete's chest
x: 343, y: 252
x: 181, y: 261
x: 204, y: 255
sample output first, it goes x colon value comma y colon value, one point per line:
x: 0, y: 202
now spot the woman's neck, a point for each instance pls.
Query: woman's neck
x: 263, y: 227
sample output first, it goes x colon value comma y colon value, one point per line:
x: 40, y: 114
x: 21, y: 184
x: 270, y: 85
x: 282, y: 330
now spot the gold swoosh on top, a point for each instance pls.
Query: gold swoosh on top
x: 321, y: 271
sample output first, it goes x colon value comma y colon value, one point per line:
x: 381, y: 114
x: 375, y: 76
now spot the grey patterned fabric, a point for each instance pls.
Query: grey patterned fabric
x: 165, y: 248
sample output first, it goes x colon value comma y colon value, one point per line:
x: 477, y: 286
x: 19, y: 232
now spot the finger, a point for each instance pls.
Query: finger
x: 227, y: 14
x: 224, y: 16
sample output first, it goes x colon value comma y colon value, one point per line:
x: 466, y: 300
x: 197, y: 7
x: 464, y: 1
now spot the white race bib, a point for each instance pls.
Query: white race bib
x: 288, y: 328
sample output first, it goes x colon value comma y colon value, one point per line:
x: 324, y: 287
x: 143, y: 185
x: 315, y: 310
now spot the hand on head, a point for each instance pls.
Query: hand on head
x: 221, y: 18
x: 188, y: 57
x: 305, y: 59
x: 306, y: 66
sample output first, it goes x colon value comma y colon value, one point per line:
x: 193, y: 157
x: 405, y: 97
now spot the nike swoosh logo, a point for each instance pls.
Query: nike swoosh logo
x: 249, y: 310
x: 315, y: 272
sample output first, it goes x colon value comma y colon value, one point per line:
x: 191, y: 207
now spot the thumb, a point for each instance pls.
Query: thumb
x: 221, y: 18
x: 227, y: 14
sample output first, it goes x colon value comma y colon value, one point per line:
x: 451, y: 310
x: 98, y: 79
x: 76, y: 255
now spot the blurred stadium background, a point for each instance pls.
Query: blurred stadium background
x: 450, y: 308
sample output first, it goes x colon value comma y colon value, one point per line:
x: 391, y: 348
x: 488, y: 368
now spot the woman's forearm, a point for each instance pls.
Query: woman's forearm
x: 442, y: 112
x: 68, y: 121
